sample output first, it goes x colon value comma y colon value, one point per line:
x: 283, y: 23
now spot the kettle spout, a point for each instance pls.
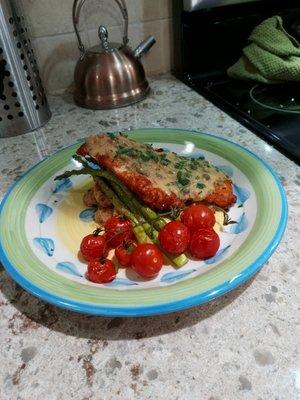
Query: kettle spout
x: 144, y: 47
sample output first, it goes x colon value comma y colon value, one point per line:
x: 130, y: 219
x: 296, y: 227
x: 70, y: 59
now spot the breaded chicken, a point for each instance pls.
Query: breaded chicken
x: 160, y: 179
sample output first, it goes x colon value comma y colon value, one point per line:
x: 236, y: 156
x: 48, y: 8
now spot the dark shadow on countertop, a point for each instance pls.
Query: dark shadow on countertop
x: 31, y: 313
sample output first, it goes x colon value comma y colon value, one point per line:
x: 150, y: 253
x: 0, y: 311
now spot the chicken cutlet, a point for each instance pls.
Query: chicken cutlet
x: 161, y: 179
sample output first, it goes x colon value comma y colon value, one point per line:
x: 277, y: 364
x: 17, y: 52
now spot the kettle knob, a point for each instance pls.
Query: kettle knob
x: 103, y: 36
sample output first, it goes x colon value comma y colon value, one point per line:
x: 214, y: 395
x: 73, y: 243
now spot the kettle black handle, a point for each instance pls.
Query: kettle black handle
x: 123, y: 8
x: 77, y: 6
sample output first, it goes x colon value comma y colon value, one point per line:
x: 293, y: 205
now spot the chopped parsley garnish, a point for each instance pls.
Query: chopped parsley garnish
x: 153, y: 155
x: 194, y: 165
x: 164, y: 160
x: 182, y: 180
x: 147, y: 155
x: 128, y: 151
x: 200, y: 185
x: 112, y: 135
x: 180, y: 164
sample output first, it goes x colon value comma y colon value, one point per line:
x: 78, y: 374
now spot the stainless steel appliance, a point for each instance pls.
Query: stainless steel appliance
x: 192, y: 5
x: 211, y: 35
x: 23, y: 104
x: 109, y: 75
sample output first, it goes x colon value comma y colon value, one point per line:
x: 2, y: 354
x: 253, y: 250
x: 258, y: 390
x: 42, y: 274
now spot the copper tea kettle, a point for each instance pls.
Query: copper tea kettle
x: 109, y: 75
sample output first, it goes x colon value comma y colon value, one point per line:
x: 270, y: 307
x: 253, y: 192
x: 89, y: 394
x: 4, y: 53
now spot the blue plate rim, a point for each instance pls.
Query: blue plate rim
x: 161, y: 308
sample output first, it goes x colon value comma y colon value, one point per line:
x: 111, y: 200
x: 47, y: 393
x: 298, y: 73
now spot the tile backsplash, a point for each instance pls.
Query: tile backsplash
x: 51, y: 27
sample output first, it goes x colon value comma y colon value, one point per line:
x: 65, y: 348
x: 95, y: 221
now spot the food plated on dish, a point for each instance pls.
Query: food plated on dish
x: 153, y: 206
x: 43, y: 222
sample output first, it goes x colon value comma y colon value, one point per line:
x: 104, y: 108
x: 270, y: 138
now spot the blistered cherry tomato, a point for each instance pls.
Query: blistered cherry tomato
x: 118, y: 230
x: 123, y: 254
x: 174, y: 237
x: 101, y: 271
x: 198, y: 216
x: 147, y: 260
x: 204, y: 243
x: 93, y: 246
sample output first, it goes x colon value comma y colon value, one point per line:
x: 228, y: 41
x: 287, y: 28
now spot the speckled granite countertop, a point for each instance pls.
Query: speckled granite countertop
x: 241, y: 346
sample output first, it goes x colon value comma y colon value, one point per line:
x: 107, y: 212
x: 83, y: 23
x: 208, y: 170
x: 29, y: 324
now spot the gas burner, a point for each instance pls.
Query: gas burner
x: 283, y: 97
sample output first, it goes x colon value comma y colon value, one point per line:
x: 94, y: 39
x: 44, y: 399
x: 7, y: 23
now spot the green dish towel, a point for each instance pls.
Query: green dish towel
x: 272, y: 55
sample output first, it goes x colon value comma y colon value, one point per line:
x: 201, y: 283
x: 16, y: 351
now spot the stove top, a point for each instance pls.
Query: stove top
x: 212, y: 39
x: 271, y: 111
